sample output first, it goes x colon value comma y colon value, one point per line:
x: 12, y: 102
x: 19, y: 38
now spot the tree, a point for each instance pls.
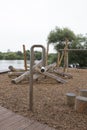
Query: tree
x: 1, y: 56
x: 10, y: 56
x: 28, y: 54
x: 58, y: 36
x: 38, y: 55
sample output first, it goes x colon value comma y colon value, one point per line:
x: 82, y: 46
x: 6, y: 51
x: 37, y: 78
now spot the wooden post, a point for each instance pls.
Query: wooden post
x: 70, y: 99
x: 25, y: 59
x: 81, y: 104
x: 83, y: 92
x: 47, y: 53
x: 31, y: 71
x: 58, y: 59
x: 66, y: 57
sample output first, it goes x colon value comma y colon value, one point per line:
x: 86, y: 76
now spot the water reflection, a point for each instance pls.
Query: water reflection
x: 4, y: 64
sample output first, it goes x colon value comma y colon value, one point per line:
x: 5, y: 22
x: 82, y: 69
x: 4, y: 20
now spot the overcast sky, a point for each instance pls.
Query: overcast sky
x: 30, y: 21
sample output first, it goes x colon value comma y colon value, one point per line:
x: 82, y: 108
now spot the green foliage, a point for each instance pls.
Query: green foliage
x: 52, y: 58
x: 1, y: 56
x: 58, y: 36
x: 38, y: 55
x: 19, y: 55
x: 28, y: 54
x: 10, y: 56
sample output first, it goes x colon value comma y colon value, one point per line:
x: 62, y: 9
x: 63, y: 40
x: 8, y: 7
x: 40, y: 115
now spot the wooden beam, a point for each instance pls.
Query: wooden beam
x: 73, y: 50
x: 25, y: 58
x: 60, y: 80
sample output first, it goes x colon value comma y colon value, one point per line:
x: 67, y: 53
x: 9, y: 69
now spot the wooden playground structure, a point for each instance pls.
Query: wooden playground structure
x: 35, y: 71
x: 52, y: 70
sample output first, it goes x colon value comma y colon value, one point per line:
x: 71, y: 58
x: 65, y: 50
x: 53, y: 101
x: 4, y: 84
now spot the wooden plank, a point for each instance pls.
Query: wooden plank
x: 2, y: 111
x: 5, y: 116
x: 36, y: 126
x: 12, y: 121
x: 22, y: 124
x: 9, y: 121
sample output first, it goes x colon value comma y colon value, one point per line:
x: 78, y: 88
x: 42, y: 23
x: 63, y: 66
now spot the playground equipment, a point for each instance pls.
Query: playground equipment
x: 37, y: 70
x: 51, y: 70
x: 31, y: 71
x: 65, y: 55
x: 78, y: 102
x: 25, y: 58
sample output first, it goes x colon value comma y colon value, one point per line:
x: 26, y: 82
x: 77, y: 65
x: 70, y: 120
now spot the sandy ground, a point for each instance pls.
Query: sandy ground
x: 49, y: 100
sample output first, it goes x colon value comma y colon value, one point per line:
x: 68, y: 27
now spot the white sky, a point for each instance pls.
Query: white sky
x: 30, y: 21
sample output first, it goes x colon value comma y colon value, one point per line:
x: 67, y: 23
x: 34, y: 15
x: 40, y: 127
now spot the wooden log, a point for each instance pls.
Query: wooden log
x: 63, y: 74
x: 4, y: 71
x: 25, y: 75
x: 36, y: 76
x: 21, y: 77
x: 13, y: 69
x: 50, y: 67
x: 14, y: 74
x: 58, y: 79
x: 81, y: 104
x: 70, y: 99
x: 83, y: 92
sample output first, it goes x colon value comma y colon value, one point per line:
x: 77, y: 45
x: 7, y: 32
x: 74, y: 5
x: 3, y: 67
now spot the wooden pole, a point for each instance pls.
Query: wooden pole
x: 25, y: 59
x: 58, y: 59
x: 66, y: 57
x: 47, y: 53
x: 31, y: 71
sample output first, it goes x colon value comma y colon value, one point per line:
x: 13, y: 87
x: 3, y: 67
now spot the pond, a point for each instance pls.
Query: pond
x: 4, y: 64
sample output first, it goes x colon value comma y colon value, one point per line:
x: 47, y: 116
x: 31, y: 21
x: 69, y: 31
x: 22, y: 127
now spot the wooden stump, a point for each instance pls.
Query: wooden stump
x: 83, y: 92
x: 81, y: 104
x: 70, y: 99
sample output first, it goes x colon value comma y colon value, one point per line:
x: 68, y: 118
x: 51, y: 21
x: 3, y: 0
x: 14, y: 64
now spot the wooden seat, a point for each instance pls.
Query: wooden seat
x: 83, y: 92
x: 70, y: 99
x: 81, y: 104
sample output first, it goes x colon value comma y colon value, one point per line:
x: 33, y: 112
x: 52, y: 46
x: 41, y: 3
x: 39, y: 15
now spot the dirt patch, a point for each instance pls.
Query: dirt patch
x: 49, y: 100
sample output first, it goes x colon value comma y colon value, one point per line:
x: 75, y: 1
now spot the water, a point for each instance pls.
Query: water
x: 4, y: 64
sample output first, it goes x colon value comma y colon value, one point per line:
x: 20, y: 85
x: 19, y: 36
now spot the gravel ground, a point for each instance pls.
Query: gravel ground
x: 49, y: 100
